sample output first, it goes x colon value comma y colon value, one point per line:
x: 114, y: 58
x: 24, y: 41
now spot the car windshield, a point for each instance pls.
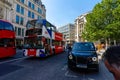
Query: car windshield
x: 83, y: 47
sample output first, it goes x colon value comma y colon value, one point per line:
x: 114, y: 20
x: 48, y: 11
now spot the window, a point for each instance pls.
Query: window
x: 23, y: 32
x: 33, y: 7
x: 1, y: 26
x: 29, y: 4
x: 16, y: 30
x: 84, y: 46
x: 17, y: 19
x: 22, y: 1
x: 21, y: 21
x: 7, y: 42
x: 19, y: 31
x: 33, y: 15
x: 22, y: 10
x: 8, y: 26
x: 57, y: 43
x: 18, y: 8
x: 29, y: 13
x: 39, y: 11
x: 39, y: 17
x: 38, y: 2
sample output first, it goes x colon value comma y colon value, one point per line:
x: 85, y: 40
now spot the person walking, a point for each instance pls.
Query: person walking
x: 112, y: 61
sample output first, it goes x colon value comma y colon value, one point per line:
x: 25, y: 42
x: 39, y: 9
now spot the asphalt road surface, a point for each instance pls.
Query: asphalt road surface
x: 50, y: 68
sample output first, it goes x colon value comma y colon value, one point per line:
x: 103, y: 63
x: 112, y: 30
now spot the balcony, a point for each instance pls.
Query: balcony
x: 6, y: 2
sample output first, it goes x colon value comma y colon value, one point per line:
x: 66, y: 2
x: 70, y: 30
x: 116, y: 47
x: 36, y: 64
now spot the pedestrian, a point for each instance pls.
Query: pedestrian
x: 69, y: 48
x: 112, y: 61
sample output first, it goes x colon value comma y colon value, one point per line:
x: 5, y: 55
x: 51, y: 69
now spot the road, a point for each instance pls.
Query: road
x: 50, y: 68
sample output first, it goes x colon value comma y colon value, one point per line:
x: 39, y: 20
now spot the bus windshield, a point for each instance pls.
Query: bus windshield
x: 34, y: 24
x: 34, y: 31
x: 6, y: 26
x: 33, y: 42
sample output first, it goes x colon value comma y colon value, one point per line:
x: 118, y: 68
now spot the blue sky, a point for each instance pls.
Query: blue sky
x: 62, y: 12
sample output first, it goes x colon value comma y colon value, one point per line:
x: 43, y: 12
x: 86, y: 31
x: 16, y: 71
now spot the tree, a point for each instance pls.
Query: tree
x: 103, y: 22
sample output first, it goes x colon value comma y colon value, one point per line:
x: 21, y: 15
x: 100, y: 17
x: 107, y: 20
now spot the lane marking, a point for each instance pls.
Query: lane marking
x: 65, y: 68
x: 13, y: 60
x: 83, y: 77
x: 90, y: 79
x: 68, y: 75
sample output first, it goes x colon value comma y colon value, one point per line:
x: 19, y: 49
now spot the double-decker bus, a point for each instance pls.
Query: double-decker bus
x: 7, y: 39
x: 42, y: 39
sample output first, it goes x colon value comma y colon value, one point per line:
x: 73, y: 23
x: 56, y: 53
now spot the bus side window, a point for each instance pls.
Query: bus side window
x: 53, y: 43
x: 10, y: 43
x: 1, y: 43
x: 40, y: 44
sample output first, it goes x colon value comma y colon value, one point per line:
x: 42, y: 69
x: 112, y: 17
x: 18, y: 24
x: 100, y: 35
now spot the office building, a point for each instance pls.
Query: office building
x: 18, y: 12
x: 68, y: 32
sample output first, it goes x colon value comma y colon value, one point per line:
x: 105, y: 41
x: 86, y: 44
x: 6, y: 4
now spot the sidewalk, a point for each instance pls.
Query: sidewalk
x: 100, y: 53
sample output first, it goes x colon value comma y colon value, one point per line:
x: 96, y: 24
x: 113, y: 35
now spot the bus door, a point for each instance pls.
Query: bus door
x: 48, y: 49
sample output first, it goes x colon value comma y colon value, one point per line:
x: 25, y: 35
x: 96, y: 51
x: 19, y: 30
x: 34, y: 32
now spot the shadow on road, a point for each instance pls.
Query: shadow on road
x: 83, y: 71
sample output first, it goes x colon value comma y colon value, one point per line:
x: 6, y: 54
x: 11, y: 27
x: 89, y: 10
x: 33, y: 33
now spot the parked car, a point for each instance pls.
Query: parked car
x: 83, y: 55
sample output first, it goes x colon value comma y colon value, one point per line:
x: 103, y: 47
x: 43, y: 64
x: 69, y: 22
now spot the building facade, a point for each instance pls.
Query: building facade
x: 5, y: 9
x: 79, y: 27
x: 68, y: 32
x: 18, y: 12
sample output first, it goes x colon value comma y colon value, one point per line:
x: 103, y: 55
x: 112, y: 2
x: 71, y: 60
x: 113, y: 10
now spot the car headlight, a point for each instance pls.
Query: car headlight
x: 70, y: 56
x: 94, y: 58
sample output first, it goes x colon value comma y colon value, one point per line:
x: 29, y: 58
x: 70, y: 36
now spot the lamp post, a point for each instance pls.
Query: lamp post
x: 77, y: 30
x: 6, y: 13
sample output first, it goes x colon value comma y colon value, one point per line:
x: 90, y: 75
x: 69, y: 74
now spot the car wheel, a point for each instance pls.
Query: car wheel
x: 97, y: 69
x: 70, y: 65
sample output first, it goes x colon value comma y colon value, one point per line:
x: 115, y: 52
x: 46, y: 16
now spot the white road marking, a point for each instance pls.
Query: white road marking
x: 65, y: 68
x: 90, y: 79
x: 83, y: 77
x: 13, y: 60
x: 68, y: 75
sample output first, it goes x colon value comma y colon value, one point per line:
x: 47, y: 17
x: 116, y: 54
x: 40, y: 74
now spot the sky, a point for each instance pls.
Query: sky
x: 62, y: 12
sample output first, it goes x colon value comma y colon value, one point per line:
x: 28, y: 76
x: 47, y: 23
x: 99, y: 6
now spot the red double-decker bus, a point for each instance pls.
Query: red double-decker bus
x: 42, y: 39
x: 7, y: 39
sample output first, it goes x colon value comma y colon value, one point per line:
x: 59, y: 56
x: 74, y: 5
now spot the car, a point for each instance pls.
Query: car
x: 83, y: 55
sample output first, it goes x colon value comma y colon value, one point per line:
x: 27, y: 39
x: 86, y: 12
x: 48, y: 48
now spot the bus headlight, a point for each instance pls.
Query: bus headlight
x: 70, y: 56
x: 94, y: 58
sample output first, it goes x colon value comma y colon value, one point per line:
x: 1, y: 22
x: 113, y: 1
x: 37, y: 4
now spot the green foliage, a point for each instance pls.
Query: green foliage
x: 103, y: 21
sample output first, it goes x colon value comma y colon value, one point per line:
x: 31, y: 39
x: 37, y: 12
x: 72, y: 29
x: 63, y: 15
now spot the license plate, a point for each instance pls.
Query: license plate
x: 81, y: 65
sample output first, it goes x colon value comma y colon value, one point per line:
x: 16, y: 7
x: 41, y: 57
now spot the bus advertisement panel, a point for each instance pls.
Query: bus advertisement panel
x: 40, y: 40
x: 7, y: 39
